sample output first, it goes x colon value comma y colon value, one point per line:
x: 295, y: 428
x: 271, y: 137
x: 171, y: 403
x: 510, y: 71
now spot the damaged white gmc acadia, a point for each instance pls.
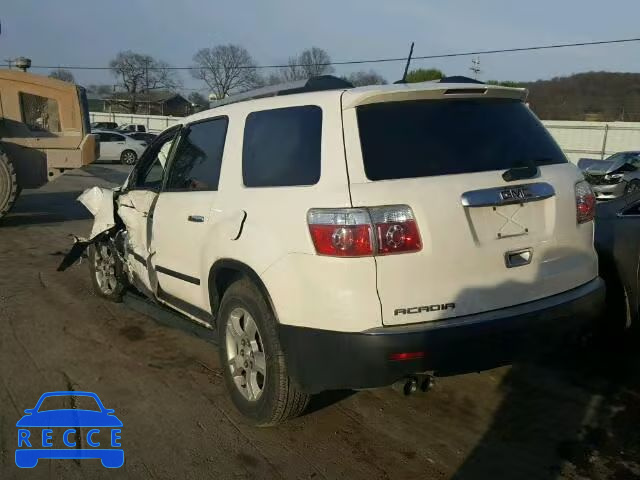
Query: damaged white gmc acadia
x: 335, y: 237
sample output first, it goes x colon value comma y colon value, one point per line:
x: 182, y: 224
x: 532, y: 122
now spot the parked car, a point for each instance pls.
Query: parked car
x: 104, y: 125
x: 143, y: 136
x: 614, y: 177
x: 617, y: 240
x: 132, y: 127
x: 117, y: 146
x: 342, y: 237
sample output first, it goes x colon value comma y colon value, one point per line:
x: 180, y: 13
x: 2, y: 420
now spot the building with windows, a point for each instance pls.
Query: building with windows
x: 151, y: 103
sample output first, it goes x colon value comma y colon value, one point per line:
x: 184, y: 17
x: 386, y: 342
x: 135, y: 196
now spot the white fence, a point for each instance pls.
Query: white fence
x: 153, y: 123
x: 577, y: 139
x: 594, y: 139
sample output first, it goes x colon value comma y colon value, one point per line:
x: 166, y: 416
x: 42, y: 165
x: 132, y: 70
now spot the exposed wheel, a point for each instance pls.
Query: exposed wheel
x: 252, y: 360
x: 632, y: 187
x: 9, y: 189
x: 107, y: 276
x: 128, y: 157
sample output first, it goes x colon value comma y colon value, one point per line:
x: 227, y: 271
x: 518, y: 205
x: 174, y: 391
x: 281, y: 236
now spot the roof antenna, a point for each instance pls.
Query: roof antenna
x: 406, y: 67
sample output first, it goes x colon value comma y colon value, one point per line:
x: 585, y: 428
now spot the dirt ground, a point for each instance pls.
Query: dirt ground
x: 575, y: 415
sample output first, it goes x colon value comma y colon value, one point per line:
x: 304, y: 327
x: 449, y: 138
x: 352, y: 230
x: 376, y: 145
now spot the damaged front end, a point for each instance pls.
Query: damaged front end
x: 101, y: 203
x: 121, y: 223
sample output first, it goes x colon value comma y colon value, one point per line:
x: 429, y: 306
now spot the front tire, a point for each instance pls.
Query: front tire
x: 252, y: 359
x: 9, y: 189
x: 128, y: 157
x: 107, y: 276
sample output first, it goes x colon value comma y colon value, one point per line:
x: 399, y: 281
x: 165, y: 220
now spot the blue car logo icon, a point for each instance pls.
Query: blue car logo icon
x: 80, y: 437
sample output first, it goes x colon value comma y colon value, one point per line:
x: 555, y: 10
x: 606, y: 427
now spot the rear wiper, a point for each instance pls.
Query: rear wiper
x: 529, y: 170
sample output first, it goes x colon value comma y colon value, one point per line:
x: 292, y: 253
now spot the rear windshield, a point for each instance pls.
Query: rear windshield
x: 445, y: 137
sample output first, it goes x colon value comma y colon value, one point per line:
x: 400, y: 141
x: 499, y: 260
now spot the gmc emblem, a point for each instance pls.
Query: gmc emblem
x: 511, y: 194
x: 424, y: 308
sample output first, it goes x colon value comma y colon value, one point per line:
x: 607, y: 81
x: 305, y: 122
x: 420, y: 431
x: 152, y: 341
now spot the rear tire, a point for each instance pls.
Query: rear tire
x: 128, y: 157
x: 107, y: 275
x: 9, y: 189
x: 257, y: 379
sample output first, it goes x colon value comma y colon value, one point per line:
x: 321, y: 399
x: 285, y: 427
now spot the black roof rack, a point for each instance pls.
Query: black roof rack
x: 313, y: 84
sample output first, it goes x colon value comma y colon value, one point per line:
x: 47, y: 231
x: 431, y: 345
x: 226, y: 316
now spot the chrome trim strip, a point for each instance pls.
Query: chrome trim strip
x: 507, y: 195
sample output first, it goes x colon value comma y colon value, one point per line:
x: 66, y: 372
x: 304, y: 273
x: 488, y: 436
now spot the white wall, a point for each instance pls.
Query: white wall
x: 594, y: 139
x: 577, y: 139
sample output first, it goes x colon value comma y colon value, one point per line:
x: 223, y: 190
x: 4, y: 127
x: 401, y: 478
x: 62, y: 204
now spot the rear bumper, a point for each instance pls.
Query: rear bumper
x: 321, y: 360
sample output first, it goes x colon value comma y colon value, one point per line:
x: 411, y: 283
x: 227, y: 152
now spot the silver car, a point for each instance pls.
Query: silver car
x: 613, y: 177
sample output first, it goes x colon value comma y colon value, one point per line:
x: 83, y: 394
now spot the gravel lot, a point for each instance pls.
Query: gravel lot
x: 575, y: 415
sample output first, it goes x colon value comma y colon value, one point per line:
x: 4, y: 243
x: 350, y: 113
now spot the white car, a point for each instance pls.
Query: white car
x: 119, y: 146
x: 344, y: 237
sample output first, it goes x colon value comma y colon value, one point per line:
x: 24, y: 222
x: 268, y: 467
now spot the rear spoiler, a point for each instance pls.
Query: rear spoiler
x: 427, y: 91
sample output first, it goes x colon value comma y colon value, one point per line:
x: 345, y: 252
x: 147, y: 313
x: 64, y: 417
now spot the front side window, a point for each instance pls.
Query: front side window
x: 40, y: 114
x: 154, y: 163
x: 282, y: 147
x: 198, y: 158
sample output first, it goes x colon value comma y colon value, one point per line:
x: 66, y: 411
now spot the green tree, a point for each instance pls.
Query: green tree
x: 424, y: 75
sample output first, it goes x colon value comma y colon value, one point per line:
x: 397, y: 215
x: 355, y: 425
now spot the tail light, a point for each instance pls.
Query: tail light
x: 358, y: 232
x: 396, y: 230
x: 585, y: 202
x: 342, y: 232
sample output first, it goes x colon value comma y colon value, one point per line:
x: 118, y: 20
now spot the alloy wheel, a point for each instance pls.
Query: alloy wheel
x: 105, y: 268
x: 245, y: 354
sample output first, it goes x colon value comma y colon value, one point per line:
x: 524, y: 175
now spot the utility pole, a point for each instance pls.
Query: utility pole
x: 475, y: 67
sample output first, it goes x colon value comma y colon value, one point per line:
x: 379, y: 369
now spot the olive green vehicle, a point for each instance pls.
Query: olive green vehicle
x: 44, y: 131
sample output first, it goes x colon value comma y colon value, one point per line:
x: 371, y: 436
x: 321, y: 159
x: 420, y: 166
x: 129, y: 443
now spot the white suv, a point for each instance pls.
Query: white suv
x: 352, y: 237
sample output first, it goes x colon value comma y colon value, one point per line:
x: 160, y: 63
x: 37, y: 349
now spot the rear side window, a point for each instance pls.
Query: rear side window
x: 40, y: 114
x: 282, y: 147
x: 198, y: 158
x: 445, y: 137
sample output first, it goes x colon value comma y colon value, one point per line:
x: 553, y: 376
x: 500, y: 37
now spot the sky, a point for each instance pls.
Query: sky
x: 90, y: 33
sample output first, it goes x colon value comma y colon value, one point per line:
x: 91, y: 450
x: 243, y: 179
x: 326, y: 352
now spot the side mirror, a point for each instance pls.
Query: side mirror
x: 29, y: 411
x: 109, y: 411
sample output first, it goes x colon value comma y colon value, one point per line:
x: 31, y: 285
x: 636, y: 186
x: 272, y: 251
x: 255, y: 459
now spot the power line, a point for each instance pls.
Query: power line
x: 378, y: 60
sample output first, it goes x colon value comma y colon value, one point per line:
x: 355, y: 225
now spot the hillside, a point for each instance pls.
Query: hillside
x: 598, y: 96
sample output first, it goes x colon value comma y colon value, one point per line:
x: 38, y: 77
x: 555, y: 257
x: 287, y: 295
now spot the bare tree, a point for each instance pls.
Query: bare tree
x: 138, y: 73
x: 315, y: 61
x: 292, y: 72
x: 311, y: 62
x: 62, y: 74
x: 225, y: 68
x: 362, y: 78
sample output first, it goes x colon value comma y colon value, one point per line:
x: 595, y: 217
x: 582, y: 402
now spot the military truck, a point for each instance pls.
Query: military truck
x: 44, y: 131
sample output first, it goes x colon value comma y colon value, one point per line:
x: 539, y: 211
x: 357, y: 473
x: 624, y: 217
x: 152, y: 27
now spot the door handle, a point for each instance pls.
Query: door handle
x: 195, y: 218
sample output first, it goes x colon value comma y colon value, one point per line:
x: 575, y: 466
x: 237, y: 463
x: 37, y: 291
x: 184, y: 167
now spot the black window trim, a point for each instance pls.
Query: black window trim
x: 306, y: 185
x: 172, y: 132
x: 184, y: 131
